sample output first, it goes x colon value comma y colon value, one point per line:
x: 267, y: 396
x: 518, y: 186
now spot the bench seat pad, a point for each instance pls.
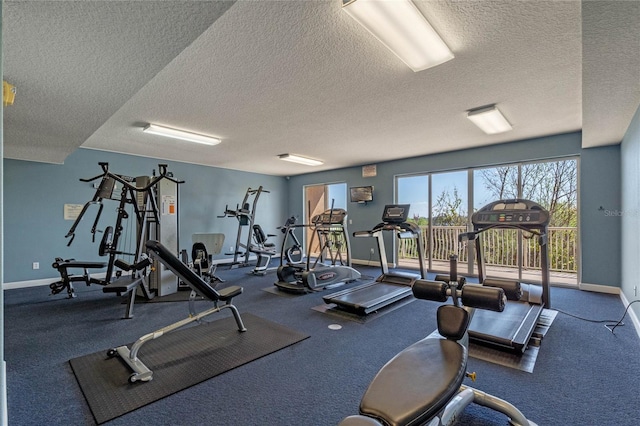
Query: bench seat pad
x: 417, y: 383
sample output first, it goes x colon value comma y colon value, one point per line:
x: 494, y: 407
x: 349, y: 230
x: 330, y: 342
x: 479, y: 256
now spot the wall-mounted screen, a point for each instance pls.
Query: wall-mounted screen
x: 361, y: 194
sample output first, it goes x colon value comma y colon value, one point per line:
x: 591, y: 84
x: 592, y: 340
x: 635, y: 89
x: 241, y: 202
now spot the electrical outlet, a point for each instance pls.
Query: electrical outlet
x: 371, y: 250
x: 35, y: 265
x: 231, y: 249
x: 635, y: 290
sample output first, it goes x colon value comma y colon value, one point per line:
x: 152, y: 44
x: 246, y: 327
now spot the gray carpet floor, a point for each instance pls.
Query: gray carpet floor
x: 583, y: 375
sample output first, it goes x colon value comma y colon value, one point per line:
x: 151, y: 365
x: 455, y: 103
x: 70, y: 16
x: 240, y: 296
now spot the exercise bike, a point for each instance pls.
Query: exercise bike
x: 422, y: 385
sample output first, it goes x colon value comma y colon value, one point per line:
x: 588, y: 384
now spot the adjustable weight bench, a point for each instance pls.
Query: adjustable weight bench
x: 198, y: 286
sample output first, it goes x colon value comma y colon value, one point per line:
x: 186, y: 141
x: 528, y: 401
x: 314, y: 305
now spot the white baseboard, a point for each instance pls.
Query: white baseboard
x: 47, y: 281
x: 33, y: 283
x: 42, y: 282
x: 631, y: 313
x: 599, y: 288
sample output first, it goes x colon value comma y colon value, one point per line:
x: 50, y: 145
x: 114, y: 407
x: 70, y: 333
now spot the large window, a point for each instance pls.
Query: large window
x: 454, y: 196
x: 449, y: 215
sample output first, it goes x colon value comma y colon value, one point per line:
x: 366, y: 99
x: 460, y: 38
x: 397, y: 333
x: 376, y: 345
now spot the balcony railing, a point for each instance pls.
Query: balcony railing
x: 500, y: 247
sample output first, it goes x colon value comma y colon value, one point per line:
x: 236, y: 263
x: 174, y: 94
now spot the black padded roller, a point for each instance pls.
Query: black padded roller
x: 125, y: 266
x: 477, y: 296
x: 445, y: 278
x: 442, y: 277
x: 430, y: 290
x: 511, y: 288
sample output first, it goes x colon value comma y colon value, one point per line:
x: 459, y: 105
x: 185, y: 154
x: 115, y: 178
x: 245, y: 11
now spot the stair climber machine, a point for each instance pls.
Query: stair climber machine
x: 511, y: 330
x: 391, y: 286
x: 331, y: 267
x: 422, y: 385
x: 245, y: 213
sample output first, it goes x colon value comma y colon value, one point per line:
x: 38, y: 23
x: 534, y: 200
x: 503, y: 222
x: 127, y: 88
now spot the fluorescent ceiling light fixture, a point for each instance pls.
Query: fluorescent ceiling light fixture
x: 299, y: 159
x: 400, y: 26
x: 489, y: 119
x: 168, y: 132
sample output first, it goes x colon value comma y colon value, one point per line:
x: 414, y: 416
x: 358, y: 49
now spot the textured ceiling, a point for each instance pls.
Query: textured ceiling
x: 611, y: 69
x: 75, y: 63
x: 275, y: 77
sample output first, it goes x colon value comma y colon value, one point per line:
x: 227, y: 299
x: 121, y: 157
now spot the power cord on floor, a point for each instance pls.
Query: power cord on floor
x: 623, y: 315
x: 610, y: 327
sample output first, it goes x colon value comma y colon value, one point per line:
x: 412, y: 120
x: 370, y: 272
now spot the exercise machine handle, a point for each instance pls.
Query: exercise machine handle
x: 466, y: 236
x: 163, y: 174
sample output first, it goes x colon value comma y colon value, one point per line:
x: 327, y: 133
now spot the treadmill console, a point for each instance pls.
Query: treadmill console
x: 396, y: 213
x: 330, y: 217
x: 511, y: 212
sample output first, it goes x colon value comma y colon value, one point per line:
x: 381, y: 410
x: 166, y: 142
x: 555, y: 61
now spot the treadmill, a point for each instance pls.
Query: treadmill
x: 511, y: 329
x: 389, y: 287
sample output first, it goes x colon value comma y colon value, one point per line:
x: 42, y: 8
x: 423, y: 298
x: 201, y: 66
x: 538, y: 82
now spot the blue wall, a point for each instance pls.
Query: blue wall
x: 630, y: 211
x: 599, y: 227
x: 35, y: 194
x: 599, y: 178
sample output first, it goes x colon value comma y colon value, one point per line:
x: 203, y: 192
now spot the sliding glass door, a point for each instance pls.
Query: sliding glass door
x: 500, y: 247
x: 414, y: 190
x: 317, y: 199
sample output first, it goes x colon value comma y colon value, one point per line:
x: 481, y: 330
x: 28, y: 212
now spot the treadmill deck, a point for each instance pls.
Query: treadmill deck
x: 510, y: 329
x: 369, y: 297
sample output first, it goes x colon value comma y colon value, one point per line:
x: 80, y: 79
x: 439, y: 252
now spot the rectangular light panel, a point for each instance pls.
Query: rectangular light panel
x: 168, y: 132
x: 401, y: 27
x: 300, y: 160
x: 490, y: 120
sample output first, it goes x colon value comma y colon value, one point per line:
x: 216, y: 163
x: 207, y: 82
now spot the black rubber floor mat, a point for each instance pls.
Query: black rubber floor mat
x: 178, y: 360
x: 178, y: 296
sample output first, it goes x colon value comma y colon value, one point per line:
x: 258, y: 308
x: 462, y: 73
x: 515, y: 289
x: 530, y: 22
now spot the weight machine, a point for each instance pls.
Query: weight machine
x: 245, y: 213
x: 144, y: 201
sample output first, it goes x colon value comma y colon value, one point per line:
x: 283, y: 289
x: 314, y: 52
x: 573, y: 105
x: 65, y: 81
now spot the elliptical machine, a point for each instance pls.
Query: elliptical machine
x: 329, y: 268
x: 422, y: 385
x: 294, y: 253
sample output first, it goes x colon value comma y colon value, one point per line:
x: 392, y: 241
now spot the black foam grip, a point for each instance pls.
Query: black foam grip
x: 511, y: 288
x: 453, y: 267
x: 119, y: 263
x: 442, y: 277
x: 142, y: 264
x: 430, y: 290
x: 490, y: 298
